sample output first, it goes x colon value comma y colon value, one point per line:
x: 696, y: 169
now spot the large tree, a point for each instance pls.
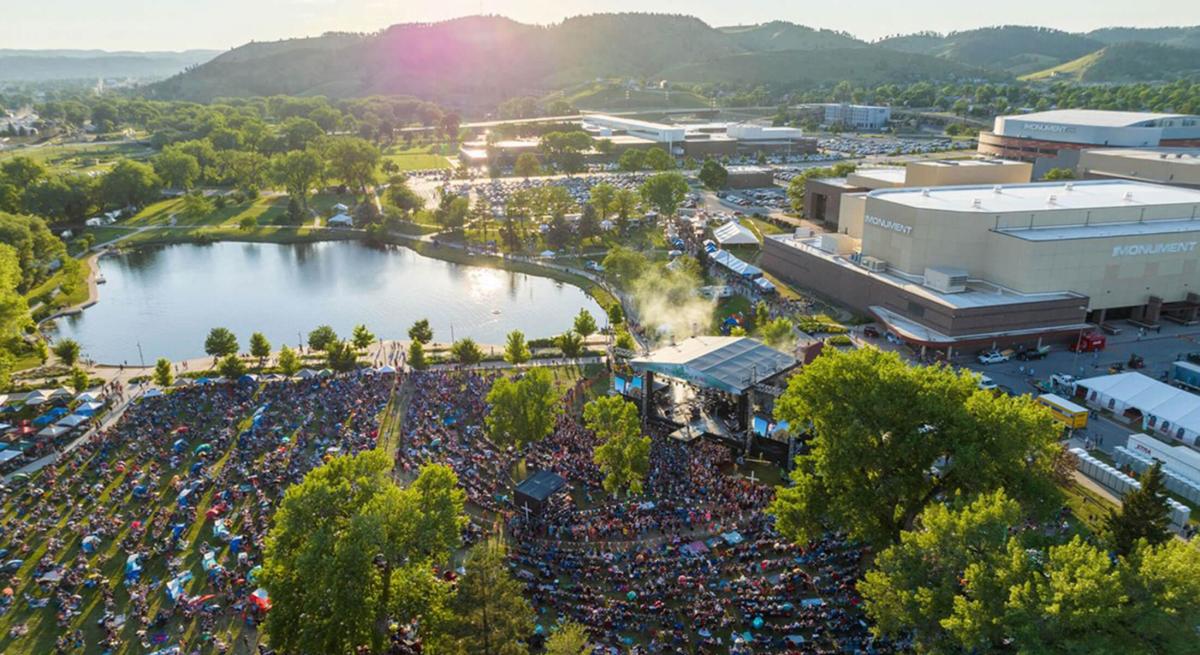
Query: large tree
x: 298, y: 171
x: 260, y: 347
x: 585, y: 323
x: 973, y: 578
x: 665, y: 192
x: 890, y: 438
x: 350, y: 551
x: 1144, y: 514
x: 623, y: 454
x: 220, y: 342
x: 178, y: 169
x: 492, y: 615
x: 657, y: 159
x: 523, y: 410
x: 129, y: 184
x: 354, y: 161
x: 713, y: 174
x: 516, y: 351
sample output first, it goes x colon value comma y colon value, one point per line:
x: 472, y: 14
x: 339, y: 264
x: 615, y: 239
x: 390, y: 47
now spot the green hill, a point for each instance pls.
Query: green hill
x: 1182, y: 37
x: 1012, y: 48
x: 867, y: 66
x: 781, y: 35
x: 617, y: 96
x: 1127, y: 62
x: 43, y: 65
x: 479, y: 61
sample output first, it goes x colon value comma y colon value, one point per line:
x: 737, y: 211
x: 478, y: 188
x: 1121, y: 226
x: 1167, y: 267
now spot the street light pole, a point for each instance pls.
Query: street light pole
x: 141, y: 358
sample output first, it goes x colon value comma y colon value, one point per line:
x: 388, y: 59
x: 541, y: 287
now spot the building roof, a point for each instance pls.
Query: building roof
x: 1181, y: 156
x: 1150, y: 397
x: 1102, y: 230
x: 979, y: 293
x: 1024, y: 198
x: 1095, y: 117
x: 729, y: 364
x: 541, y: 485
x: 734, y: 233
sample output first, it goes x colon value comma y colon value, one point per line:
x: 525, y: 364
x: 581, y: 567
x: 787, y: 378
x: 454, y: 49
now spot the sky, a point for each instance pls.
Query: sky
x: 223, y: 24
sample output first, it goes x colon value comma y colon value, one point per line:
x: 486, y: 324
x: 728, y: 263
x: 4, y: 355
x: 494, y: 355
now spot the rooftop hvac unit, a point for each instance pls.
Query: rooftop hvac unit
x: 874, y: 264
x: 829, y: 243
x: 946, y: 280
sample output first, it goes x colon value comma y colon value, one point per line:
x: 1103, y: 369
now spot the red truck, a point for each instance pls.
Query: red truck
x: 1090, y: 342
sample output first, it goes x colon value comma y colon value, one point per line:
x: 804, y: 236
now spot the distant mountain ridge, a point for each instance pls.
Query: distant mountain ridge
x: 43, y: 65
x: 484, y: 58
x: 479, y: 60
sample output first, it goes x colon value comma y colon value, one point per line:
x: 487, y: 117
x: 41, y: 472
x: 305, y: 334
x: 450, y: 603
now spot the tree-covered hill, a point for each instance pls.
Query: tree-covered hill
x: 1127, y: 62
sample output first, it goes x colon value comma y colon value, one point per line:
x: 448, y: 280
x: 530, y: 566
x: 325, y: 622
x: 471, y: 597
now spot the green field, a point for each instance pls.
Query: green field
x: 613, y: 97
x: 265, y: 209
x: 81, y: 157
x: 417, y: 158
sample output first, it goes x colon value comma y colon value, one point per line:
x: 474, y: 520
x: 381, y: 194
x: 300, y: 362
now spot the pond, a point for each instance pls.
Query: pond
x: 167, y: 298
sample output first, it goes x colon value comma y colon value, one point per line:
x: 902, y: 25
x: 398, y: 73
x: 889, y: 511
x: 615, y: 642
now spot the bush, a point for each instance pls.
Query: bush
x: 839, y: 340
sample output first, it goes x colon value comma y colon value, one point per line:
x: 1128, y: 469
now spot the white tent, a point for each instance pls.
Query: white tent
x: 341, y: 220
x: 735, y: 234
x: 606, y: 225
x: 340, y: 208
x: 306, y: 373
x: 1168, y: 411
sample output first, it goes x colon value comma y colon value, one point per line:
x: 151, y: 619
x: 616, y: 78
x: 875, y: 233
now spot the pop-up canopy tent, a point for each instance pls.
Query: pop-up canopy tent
x: 734, y: 234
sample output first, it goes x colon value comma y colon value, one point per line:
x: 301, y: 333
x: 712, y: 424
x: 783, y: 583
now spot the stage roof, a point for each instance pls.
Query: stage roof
x: 541, y: 485
x: 729, y: 364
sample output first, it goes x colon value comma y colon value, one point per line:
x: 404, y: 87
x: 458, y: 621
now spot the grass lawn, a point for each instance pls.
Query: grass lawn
x: 264, y: 209
x: 106, y: 234
x: 1088, y: 507
x: 81, y: 157
x: 418, y: 161
x: 762, y: 228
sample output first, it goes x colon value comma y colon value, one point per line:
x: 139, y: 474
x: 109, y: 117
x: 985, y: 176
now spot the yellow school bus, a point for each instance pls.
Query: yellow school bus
x: 1066, y: 412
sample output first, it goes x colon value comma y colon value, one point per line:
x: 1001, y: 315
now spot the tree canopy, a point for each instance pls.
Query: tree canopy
x: 623, y: 454
x: 890, y: 438
x: 974, y: 577
x: 350, y: 547
x: 523, y: 410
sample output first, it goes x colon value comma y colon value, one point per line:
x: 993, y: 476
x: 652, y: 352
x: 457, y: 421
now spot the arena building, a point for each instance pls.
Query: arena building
x: 1002, y: 264
x: 826, y: 199
x: 1174, y: 166
x: 1054, y: 139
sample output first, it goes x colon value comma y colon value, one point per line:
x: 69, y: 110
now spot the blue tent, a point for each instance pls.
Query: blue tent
x: 248, y: 379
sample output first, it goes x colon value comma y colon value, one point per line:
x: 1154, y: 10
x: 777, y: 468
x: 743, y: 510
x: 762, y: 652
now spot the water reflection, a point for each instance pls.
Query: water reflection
x: 169, y: 297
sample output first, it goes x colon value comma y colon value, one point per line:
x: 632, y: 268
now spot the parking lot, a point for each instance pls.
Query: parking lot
x: 1158, y: 351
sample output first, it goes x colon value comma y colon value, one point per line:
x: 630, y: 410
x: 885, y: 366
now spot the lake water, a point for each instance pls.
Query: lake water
x: 168, y: 298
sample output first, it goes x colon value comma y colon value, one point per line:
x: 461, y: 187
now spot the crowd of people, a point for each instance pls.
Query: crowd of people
x: 152, y: 530
x: 693, y: 564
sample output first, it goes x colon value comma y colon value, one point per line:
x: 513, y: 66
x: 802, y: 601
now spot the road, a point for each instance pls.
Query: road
x: 1160, y: 351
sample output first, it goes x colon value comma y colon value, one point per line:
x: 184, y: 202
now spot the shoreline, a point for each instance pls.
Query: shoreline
x: 594, y: 288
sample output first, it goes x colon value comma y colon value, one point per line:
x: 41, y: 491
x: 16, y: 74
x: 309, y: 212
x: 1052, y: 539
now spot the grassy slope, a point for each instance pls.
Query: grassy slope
x: 615, y: 97
x: 1074, y: 68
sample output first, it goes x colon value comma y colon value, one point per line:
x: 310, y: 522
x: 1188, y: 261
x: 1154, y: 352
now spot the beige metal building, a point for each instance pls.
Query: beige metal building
x: 1174, y: 166
x: 987, y: 262
x: 934, y: 173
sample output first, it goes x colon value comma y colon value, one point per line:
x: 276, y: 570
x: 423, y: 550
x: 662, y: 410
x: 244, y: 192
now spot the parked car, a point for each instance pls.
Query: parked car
x: 993, y: 358
x: 1033, y: 353
x: 1062, y: 380
x: 986, y: 383
x: 871, y: 331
